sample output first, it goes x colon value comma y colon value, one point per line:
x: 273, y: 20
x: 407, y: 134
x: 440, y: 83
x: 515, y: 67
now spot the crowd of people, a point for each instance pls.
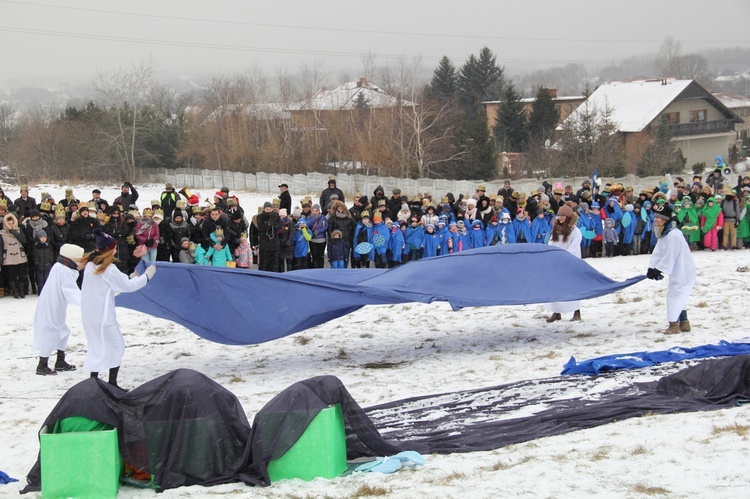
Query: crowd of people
x: 380, y: 231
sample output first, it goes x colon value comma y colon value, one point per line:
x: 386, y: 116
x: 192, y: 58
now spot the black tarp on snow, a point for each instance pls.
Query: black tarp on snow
x: 490, y: 418
x: 186, y: 429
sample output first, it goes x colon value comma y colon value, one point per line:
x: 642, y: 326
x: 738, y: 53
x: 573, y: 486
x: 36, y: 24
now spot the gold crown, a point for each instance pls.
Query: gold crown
x: 155, y: 202
x: 276, y: 201
x: 45, y: 206
x: 159, y: 213
x: 219, y: 232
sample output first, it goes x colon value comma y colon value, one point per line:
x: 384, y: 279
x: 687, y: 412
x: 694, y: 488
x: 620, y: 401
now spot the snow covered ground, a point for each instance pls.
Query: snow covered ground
x: 431, y: 349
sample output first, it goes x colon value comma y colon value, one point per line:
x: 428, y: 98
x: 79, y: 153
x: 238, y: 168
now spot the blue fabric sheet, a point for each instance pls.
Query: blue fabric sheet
x: 242, y: 307
x: 636, y: 360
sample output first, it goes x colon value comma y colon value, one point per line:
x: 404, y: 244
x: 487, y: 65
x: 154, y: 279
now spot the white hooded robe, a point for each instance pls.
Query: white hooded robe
x: 572, y: 246
x: 672, y: 256
x: 106, y: 346
x: 51, y: 332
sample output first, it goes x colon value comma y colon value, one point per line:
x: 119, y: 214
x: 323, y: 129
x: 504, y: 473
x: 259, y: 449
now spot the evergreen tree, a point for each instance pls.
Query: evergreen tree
x: 444, y: 82
x: 544, y: 117
x: 479, y: 160
x: 480, y: 79
x: 660, y: 156
x: 510, y: 128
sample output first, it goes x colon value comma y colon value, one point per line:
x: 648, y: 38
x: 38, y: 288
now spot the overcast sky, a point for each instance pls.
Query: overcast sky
x: 72, y: 39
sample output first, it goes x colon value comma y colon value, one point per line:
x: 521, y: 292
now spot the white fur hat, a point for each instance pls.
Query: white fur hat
x: 71, y: 251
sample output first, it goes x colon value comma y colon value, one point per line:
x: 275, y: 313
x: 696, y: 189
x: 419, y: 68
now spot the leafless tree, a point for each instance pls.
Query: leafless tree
x: 126, y: 93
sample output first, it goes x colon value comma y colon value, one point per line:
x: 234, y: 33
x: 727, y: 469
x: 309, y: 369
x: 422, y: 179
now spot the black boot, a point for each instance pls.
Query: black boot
x: 14, y: 290
x: 113, y: 378
x: 33, y: 288
x: 61, y: 365
x: 42, y: 369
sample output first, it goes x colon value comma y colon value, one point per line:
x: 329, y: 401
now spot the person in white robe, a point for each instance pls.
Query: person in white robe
x: 565, y: 235
x: 101, y: 282
x: 51, y: 331
x: 672, y: 256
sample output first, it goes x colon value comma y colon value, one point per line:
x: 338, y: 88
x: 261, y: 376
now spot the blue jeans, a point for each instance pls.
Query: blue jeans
x: 150, y: 255
x: 338, y: 264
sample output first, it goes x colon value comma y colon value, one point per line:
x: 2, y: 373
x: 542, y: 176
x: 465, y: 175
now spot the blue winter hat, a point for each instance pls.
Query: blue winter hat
x: 595, y: 205
x: 301, y: 221
x: 104, y: 242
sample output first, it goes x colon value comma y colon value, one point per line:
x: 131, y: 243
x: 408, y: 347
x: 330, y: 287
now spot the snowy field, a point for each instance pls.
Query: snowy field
x: 432, y: 349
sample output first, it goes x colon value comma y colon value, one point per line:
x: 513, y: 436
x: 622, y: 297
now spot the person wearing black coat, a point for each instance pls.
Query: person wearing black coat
x: 117, y: 227
x: 341, y: 219
x: 215, y: 219
x: 128, y: 196
x: 285, y: 199
x: 82, y: 230
x: 25, y: 203
x: 269, y: 225
x: 44, y: 258
x: 176, y: 229
x: 325, y: 196
x: 377, y: 195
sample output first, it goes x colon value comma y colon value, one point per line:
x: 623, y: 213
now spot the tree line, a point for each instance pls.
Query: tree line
x: 241, y: 123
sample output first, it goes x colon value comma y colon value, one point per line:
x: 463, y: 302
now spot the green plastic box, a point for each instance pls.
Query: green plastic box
x: 81, y: 464
x: 319, y: 452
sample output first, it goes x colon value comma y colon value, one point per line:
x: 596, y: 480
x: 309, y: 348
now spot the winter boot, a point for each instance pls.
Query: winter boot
x: 2, y: 292
x: 61, y: 365
x: 685, y: 326
x: 42, y: 369
x: 674, y: 328
x: 14, y: 290
x: 576, y: 316
x: 23, y: 289
x: 554, y: 317
x: 33, y: 288
x: 113, y: 378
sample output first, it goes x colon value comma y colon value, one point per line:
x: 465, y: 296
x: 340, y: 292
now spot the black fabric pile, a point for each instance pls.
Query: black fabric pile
x: 185, y: 429
x: 489, y: 418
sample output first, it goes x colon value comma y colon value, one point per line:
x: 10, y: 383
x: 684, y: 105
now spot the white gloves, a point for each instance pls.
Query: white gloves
x: 150, y: 271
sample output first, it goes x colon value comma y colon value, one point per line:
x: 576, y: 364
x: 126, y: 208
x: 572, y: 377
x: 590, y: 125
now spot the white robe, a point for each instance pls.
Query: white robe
x: 672, y: 256
x: 573, y: 246
x: 106, y: 346
x: 51, y: 333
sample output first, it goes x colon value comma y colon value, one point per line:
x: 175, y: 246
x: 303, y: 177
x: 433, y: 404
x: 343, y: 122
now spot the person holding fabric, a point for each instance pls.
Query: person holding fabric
x: 565, y: 235
x: 101, y: 281
x: 51, y: 333
x: 672, y: 256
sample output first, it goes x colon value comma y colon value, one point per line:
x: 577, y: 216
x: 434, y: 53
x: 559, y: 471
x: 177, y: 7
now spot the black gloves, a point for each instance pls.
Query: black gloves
x: 150, y: 242
x: 654, y: 274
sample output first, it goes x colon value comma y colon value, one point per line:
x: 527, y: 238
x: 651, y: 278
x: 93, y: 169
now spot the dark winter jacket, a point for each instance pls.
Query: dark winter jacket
x: 82, y: 232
